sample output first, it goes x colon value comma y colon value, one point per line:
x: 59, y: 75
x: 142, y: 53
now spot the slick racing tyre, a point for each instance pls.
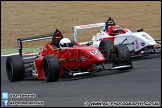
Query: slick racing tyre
x: 15, y: 68
x: 122, y: 56
x: 51, y: 68
x: 106, y: 48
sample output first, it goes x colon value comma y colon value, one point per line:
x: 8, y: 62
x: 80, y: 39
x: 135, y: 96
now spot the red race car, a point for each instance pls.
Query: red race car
x: 61, y: 57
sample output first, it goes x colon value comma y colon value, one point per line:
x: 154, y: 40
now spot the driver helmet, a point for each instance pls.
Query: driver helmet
x: 117, y: 30
x: 58, y: 35
x: 64, y: 43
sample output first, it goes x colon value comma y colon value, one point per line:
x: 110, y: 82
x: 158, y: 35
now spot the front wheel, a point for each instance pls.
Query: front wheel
x: 51, y: 68
x: 106, y: 48
x: 122, y: 56
x: 15, y: 68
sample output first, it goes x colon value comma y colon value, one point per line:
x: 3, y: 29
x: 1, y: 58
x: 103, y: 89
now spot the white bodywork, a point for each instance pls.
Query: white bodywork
x: 134, y: 40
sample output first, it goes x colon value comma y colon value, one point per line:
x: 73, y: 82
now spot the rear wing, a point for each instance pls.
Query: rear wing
x: 81, y: 27
x: 28, y: 39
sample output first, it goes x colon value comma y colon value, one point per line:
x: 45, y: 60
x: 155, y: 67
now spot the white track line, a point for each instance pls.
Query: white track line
x: 27, y: 53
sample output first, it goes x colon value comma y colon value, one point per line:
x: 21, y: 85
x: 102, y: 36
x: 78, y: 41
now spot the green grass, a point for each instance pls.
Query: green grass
x: 15, y: 50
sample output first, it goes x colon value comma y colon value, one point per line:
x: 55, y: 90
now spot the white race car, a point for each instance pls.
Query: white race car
x: 139, y: 43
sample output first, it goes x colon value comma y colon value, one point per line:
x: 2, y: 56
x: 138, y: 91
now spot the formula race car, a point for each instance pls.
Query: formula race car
x: 61, y: 58
x: 139, y: 43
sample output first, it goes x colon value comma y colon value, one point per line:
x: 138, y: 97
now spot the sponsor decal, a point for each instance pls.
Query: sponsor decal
x: 83, y: 58
x: 100, y: 57
x: 89, y: 25
x: 150, y: 41
x: 147, y: 37
x: 101, y: 34
x: 62, y: 59
x: 142, y: 44
x: 137, y: 44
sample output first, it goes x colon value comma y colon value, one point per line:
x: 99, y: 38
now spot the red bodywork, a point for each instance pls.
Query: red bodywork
x: 108, y: 38
x: 77, y: 57
x: 110, y: 32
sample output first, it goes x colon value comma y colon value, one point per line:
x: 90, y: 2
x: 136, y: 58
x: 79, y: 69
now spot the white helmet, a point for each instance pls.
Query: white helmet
x: 64, y: 43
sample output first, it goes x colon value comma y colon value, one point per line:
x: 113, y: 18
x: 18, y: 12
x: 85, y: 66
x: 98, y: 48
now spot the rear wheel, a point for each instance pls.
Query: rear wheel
x: 15, y: 68
x: 106, y: 48
x: 51, y: 68
x: 122, y: 56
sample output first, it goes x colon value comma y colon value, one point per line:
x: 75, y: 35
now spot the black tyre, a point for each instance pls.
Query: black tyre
x: 122, y: 56
x: 51, y: 68
x: 15, y: 68
x: 106, y: 48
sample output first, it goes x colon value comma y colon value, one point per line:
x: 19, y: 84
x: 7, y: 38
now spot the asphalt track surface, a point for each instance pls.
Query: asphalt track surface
x: 143, y: 83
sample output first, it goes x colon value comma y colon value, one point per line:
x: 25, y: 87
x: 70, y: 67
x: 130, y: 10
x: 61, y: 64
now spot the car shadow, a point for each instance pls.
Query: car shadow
x: 98, y: 74
x: 79, y: 77
x: 151, y: 56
